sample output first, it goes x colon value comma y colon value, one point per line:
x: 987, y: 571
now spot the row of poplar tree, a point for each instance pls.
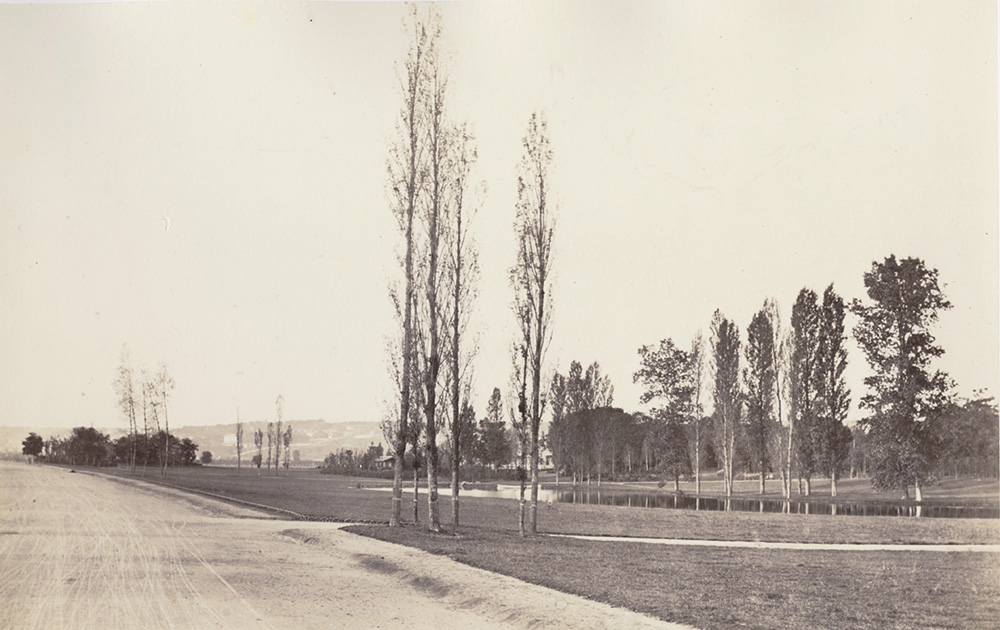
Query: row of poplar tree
x: 433, y: 200
x: 778, y: 402
x: 781, y: 399
x: 279, y: 442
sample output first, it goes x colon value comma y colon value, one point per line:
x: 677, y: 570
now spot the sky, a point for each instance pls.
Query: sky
x: 206, y: 183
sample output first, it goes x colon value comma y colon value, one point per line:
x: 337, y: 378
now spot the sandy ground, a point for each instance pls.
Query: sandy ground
x: 83, y: 551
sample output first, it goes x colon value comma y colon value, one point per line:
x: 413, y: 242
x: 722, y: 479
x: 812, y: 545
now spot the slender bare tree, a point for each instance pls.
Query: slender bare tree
x: 270, y: 444
x: 279, y: 408
x: 286, y: 439
x: 463, y: 274
x: 164, y: 385
x: 258, y: 441
x: 534, y: 226
x: 696, y: 376
x: 405, y: 170
x: 239, y: 441
x: 125, y: 389
x: 150, y: 383
x: 145, y: 385
x: 520, y: 419
x: 431, y: 322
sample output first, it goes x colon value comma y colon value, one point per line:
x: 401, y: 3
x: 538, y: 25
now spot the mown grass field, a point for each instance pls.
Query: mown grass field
x: 739, y: 588
x: 700, y: 586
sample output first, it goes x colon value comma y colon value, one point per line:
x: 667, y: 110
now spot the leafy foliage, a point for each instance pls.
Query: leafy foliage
x: 894, y: 332
x: 32, y: 445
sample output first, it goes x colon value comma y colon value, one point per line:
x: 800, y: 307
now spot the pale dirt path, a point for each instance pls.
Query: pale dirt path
x: 84, y: 551
x: 752, y: 544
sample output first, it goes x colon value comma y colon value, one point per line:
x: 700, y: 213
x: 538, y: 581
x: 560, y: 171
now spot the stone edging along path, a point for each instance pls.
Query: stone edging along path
x: 746, y: 544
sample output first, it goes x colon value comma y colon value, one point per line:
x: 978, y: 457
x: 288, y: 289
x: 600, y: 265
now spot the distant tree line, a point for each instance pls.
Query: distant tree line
x: 489, y: 449
x: 87, y: 446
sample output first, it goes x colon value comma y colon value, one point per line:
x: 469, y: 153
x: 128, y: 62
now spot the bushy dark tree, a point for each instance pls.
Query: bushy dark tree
x: 493, y: 441
x: 556, y: 439
x: 371, y: 456
x: 89, y: 447
x: 581, y: 390
x: 187, y: 452
x: 969, y: 438
x: 672, y: 449
x: 32, y: 445
x: 894, y: 332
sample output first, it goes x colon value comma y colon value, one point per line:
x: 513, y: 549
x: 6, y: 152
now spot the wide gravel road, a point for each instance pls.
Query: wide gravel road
x: 86, y: 551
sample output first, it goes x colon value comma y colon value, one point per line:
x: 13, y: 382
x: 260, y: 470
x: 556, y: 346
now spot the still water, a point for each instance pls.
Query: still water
x: 930, y: 509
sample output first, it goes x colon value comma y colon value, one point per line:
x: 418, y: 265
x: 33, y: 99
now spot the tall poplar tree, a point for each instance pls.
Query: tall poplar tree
x: 758, y: 378
x: 433, y: 297
x: 405, y: 172
x: 727, y: 394
x: 534, y: 226
x: 463, y: 272
x: 164, y: 386
x: 696, y: 376
x: 831, y: 437
x: 802, y: 377
x: 124, y: 385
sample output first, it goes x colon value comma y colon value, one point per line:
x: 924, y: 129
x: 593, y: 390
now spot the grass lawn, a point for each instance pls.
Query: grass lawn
x: 703, y: 587
x: 743, y: 588
x: 315, y: 495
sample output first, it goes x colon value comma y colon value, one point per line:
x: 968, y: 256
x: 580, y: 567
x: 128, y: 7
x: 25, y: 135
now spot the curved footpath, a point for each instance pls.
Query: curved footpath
x: 82, y: 551
x: 748, y: 544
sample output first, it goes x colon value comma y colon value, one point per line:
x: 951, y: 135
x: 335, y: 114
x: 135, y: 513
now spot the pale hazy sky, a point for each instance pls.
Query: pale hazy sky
x: 206, y: 183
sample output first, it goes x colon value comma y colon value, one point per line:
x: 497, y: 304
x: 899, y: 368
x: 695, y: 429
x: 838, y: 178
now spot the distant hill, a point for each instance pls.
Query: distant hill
x: 313, y: 439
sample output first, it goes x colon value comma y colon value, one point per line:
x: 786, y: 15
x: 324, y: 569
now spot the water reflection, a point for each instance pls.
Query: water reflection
x: 777, y: 505
x: 594, y: 496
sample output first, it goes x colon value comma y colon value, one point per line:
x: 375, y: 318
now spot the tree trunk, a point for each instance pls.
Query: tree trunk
x: 416, y: 495
x: 808, y: 486
x: 534, y: 477
x: 833, y: 485
x: 521, y: 503
x: 454, y: 487
x: 433, y: 517
x: 456, y: 426
x: 788, y: 456
x: 763, y: 474
x: 166, y: 435
x: 697, y: 463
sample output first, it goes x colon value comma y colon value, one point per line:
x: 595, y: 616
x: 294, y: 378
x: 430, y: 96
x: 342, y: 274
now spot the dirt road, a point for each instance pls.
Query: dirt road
x: 83, y: 551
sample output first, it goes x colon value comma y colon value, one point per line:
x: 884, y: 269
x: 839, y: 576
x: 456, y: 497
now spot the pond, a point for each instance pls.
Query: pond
x: 935, y: 508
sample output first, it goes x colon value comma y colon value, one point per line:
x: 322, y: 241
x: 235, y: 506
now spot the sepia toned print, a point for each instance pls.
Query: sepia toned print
x: 558, y: 314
